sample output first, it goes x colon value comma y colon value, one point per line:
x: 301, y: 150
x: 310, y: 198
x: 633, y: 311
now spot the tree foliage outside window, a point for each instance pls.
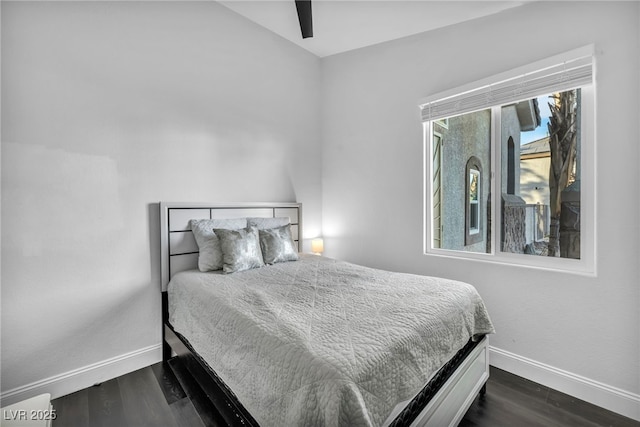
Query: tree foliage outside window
x: 563, y: 145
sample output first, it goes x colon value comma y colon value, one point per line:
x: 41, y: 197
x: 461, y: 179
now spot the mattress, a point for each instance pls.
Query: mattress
x: 324, y: 342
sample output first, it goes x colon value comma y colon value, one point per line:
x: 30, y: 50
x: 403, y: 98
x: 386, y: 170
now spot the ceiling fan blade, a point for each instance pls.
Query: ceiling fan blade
x: 304, y: 16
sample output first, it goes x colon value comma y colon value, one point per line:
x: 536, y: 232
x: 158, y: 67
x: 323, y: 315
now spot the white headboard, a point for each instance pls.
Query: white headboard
x: 178, y: 247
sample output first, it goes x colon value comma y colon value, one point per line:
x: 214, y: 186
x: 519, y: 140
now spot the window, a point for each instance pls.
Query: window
x: 473, y: 206
x: 510, y: 171
x: 511, y: 166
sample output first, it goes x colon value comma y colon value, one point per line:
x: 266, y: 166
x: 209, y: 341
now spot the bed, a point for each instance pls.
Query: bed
x: 314, y: 340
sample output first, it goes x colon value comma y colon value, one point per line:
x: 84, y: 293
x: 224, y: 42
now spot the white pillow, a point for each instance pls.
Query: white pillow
x: 210, y: 257
x: 267, y: 223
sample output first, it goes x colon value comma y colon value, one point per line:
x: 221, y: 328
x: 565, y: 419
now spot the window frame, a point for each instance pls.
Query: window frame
x: 586, y: 265
x: 443, y: 122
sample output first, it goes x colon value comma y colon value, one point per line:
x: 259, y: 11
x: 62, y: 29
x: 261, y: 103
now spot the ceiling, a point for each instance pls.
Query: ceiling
x: 343, y: 25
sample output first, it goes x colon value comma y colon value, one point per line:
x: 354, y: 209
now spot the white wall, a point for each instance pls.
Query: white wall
x: 107, y: 109
x: 551, y: 326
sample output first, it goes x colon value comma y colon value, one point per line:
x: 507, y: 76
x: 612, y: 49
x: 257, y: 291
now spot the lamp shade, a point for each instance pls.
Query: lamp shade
x: 317, y: 246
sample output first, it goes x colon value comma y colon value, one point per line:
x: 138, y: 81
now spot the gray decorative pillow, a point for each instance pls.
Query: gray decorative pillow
x: 277, y: 245
x: 210, y: 256
x: 266, y: 223
x: 240, y: 249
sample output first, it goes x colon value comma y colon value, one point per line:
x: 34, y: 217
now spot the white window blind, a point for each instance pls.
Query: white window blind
x: 569, y: 74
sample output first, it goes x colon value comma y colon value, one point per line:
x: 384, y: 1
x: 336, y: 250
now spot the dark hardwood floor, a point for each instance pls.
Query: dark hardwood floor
x: 514, y: 401
x: 164, y: 395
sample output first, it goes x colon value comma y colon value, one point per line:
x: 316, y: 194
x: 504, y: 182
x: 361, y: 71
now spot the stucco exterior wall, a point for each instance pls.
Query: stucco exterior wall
x: 458, y: 148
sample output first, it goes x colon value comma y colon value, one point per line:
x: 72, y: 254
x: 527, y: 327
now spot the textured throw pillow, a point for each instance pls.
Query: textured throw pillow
x: 277, y: 245
x: 266, y: 223
x: 240, y: 249
x: 210, y: 256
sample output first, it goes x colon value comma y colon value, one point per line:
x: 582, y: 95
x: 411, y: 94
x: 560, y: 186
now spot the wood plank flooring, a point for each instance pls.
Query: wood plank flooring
x: 164, y: 395
x: 514, y: 401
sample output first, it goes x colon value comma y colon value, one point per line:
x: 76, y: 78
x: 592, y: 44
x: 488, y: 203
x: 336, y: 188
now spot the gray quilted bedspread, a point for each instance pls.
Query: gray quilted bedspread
x: 321, y: 342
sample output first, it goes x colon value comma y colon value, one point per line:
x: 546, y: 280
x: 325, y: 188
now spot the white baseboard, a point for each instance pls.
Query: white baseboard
x: 614, y: 399
x: 78, y: 379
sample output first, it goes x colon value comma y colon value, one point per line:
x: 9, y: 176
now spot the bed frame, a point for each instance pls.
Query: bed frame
x: 442, y: 402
